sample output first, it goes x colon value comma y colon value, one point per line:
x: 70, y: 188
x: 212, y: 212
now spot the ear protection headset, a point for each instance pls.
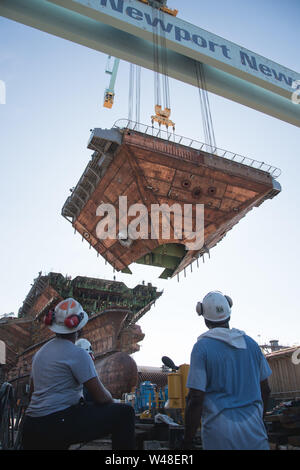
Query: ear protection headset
x: 70, y: 322
x: 199, y: 307
x: 73, y: 320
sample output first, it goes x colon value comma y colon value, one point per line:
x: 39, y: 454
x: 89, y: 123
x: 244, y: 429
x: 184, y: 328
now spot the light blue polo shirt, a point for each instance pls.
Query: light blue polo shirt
x: 229, y: 366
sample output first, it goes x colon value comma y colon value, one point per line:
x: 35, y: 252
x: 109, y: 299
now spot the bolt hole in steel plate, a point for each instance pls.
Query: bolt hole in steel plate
x: 212, y: 190
x: 186, y: 184
x: 196, y: 193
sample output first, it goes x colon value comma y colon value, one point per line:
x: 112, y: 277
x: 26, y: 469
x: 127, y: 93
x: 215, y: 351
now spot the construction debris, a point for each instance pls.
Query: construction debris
x: 283, y: 424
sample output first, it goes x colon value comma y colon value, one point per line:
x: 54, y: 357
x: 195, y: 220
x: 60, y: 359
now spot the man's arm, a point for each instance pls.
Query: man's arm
x: 265, y: 393
x: 193, y: 411
x: 98, y: 392
x: 31, y: 390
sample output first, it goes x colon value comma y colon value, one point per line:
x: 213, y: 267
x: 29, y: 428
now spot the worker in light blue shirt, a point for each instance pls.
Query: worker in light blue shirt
x: 228, y: 383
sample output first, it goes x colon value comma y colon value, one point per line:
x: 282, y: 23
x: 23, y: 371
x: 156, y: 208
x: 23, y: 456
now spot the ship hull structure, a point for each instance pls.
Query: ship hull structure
x: 130, y: 170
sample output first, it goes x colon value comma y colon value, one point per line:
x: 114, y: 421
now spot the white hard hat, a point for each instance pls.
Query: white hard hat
x: 67, y: 317
x: 215, y: 307
x: 84, y: 344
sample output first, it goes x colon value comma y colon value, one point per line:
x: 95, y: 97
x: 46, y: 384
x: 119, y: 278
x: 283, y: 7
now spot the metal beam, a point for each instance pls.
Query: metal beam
x: 123, y: 29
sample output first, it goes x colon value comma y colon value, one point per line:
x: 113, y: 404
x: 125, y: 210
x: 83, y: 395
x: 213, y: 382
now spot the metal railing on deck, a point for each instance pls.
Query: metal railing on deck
x: 197, y: 145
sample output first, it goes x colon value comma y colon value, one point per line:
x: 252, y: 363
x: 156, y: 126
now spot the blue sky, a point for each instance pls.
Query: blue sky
x: 54, y: 97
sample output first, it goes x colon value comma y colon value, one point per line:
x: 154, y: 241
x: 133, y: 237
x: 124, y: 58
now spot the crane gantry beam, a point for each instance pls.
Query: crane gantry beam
x: 124, y: 29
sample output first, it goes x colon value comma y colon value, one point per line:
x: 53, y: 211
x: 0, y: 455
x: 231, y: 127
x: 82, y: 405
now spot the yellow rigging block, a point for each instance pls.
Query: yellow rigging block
x: 162, y: 117
x: 108, y: 100
x: 163, y: 8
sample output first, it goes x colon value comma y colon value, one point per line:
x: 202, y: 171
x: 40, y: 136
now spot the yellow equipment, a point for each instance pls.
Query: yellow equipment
x: 177, y: 390
x: 108, y: 100
x: 112, y: 67
x: 162, y: 117
x: 146, y: 414
x: 163, y: 8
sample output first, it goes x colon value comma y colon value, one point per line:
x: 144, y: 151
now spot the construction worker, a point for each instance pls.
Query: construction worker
x: 56, y: 416
x: 227, y: 382
x: 86, y: 345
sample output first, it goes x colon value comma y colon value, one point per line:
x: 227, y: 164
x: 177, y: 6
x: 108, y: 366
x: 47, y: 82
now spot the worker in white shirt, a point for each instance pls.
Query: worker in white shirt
x: 86, y: 345
x: 228, y: 383
x: 56, y: 416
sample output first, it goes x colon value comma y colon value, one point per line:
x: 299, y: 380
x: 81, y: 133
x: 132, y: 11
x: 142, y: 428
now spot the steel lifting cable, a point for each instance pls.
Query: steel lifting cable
x: 208, y: 129
x: 164, y: 61
x: 134, y: 83
x: 156, y: 62
x: 130, y: 96
x: 138, y: 95
x: 160, y: 61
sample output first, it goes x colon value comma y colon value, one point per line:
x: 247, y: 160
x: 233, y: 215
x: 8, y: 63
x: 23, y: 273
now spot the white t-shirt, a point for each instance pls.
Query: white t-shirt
x: 59, y: 369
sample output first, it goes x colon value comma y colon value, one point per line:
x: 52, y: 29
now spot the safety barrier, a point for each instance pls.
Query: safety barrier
x: 197, y: 145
